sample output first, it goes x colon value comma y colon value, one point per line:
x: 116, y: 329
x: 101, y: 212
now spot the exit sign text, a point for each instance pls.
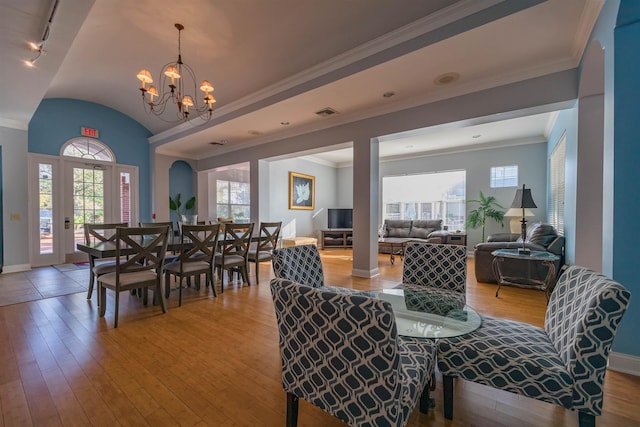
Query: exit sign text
x: 93, y: 133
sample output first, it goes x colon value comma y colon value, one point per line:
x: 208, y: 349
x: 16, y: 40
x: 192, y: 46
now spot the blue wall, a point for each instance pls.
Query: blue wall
x: 181, y: 181
x: 58, y: 120
x: 626, y: 173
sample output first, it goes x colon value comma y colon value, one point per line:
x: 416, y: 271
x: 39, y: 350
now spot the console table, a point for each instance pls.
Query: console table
x: 337, y: 238
x: 546, y: 258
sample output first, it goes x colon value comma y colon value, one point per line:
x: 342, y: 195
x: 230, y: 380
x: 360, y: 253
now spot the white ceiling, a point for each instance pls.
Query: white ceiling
x: 282, y: 60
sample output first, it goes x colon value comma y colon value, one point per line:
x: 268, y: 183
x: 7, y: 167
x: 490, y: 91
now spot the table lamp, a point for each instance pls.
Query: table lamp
x: 523, y: 200
x: 516, y: 214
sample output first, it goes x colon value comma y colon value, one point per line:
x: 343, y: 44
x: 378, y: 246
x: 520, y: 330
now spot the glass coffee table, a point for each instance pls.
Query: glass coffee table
x: 423, y: 312
x: 545, y: 258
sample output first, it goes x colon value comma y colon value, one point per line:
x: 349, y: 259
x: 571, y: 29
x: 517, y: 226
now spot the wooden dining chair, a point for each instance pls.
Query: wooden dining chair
x: 234, y: 252
x: 97, y: 233
x: 262, y: 250
x: 145, y: 248
x: 197, y: 249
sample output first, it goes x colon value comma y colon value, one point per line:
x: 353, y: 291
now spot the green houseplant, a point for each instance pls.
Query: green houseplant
x: 175, y: 204
x: 488, y: 208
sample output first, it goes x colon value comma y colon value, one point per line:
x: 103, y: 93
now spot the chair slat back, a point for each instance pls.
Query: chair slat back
x: 436, y: 265
x: 199, y: 243
x: 301, y: 264
x: 149, y: 246
x: 237, y: 239
x: 94, y: 233
x: 269, y: 234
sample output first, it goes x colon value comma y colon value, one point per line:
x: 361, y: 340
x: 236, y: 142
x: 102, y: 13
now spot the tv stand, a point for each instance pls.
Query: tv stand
x: 337, y: 238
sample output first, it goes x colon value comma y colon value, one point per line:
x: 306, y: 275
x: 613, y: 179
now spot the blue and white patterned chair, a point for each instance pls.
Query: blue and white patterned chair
x: 564, y: 363
x: 442, y: 268
x: 342, y: 353
x: 302, y: 264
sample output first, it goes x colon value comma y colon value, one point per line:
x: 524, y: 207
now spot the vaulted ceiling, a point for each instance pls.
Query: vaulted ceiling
x: 275, y: 63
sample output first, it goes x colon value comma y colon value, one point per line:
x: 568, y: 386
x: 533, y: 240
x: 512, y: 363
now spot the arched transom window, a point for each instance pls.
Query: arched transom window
x: 87, y: 148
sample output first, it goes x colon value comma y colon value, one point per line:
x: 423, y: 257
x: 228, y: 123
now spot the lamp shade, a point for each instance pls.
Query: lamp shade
x: 518, y: 212
x: 523, y: 199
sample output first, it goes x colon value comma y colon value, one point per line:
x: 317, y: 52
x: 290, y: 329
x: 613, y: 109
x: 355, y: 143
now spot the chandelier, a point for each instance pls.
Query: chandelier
x: 177, y: 78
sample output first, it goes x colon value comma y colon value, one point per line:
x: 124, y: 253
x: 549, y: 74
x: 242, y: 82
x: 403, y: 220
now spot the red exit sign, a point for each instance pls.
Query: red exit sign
x: 93, y: 133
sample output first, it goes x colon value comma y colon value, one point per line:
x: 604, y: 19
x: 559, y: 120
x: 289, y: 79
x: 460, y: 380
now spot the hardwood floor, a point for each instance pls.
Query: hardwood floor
x: 215, y: 361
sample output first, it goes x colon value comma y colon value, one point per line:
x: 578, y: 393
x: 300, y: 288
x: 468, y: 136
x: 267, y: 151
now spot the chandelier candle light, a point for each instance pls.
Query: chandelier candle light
x: 181, y: 76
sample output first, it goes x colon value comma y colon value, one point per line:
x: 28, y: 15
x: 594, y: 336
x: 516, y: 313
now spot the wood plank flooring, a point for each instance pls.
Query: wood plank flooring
x: 215, y: 361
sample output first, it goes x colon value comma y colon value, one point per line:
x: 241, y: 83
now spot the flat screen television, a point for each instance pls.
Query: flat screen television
x: 340, y: 218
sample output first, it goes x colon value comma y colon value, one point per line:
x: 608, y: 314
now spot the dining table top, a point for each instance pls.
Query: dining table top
x: 421, y: 312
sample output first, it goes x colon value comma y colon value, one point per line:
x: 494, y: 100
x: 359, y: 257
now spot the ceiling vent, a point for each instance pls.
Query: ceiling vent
x: 326, y: 112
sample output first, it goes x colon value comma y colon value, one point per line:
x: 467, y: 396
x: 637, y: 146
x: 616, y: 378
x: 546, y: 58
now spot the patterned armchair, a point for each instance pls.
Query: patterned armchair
x: 442, y: 268
x: 342, y: 354
x: 302, y: 264
x: 564, y: 363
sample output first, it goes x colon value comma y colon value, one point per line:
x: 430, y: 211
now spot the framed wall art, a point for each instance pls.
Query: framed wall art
x: 302, y: 191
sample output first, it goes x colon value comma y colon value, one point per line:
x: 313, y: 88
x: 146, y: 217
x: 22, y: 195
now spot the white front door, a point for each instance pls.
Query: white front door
x: 66, y: 194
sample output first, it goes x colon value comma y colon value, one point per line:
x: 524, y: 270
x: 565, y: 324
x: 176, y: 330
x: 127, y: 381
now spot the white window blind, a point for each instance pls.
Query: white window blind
x: 555, y: 207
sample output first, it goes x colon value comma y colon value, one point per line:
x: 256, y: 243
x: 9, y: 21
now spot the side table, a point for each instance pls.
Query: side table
x: 545, y: 258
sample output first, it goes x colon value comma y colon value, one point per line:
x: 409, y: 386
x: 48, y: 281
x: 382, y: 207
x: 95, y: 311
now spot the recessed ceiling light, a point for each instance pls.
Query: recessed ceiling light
x: 388, y: 94
x: 476, y: 136
x: 446, y: 78
x: 255, y: 132
x: 408, y: 146
x: 285, y: 123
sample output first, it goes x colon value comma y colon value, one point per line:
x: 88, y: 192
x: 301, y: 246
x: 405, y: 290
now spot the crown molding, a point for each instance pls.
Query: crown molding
x: 410, y: 31
x: 14, y: 124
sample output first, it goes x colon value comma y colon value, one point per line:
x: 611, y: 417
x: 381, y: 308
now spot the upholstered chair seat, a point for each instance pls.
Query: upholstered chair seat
x: 564, y: 363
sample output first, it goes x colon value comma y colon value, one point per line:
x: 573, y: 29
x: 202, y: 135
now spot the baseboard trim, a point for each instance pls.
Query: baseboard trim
x: 367, y: 274
x: 625, y: 363
x: 15, y: 268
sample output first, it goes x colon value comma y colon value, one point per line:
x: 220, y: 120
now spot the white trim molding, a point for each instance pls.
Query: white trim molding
x: 624, y: 363
x: 17, y: 268
x: 367, y: 274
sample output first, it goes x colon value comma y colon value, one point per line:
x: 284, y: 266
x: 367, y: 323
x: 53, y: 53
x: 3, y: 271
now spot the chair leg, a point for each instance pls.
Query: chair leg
x: 167, y: 284
x: 257, y: 271
x: 292, y: 410
x: 158, y: 294
x: 180, y: 292
x: 586, y: 420
x: 425, y: 400
x: 447, y: 388
x: 92, y: 279
x: 102, y: 294
x: 210, y: 278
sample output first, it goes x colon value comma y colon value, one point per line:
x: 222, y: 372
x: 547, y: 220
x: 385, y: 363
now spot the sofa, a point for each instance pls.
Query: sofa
x: 419, y: 230
x: 540, y: 237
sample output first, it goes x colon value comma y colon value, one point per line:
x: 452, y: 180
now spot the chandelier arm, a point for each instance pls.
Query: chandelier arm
x: 168, y: 93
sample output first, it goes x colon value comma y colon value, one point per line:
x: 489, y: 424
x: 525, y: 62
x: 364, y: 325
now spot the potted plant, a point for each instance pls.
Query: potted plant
x: 184, y: 214
x: 488, y: 208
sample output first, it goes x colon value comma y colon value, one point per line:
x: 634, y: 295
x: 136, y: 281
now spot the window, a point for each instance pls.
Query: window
x: 86, y: 148
x: 441, y: 196
x: 233, y: 200
x: 504, y: 176
x: 555, y: 207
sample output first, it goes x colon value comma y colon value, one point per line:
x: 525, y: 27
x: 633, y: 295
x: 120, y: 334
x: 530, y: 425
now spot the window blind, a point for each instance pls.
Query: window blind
x: 555, y: 207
